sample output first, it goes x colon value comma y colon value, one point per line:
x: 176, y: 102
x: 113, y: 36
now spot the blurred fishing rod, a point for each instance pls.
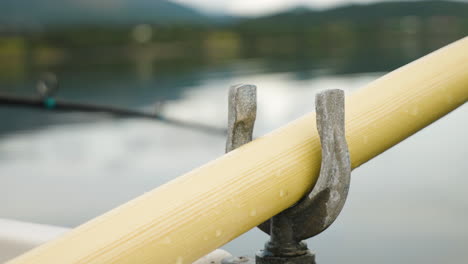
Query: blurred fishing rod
x: 48, y: 86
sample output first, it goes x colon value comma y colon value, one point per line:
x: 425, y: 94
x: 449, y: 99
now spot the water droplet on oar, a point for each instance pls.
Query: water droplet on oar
x: 167, y: 240
x: 180, y: 260
x: 253, y: 212
x: 283, y: 193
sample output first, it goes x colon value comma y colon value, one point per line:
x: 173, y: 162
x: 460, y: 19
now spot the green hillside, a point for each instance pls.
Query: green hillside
x: 360, y: 14
x: 95, y: 12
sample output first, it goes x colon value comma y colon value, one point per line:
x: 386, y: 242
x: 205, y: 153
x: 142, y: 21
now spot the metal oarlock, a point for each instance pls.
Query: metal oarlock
x: 317, y: 210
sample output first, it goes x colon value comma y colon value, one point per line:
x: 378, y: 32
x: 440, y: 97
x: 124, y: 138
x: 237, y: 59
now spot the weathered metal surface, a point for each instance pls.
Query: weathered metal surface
x: 265, y: 257
x: 326, y: 200
x: 241, y: 115
x: 318, y: 210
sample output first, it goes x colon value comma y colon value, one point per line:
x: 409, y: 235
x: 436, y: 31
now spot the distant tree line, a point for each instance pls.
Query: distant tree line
x: 404, y: 30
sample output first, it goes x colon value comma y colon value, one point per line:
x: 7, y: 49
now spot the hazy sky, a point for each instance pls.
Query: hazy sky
x: 258, y: 7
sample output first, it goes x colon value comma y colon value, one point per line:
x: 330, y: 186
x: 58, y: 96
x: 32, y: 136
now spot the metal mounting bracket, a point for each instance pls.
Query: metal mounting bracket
x: 317, y: 210
x: 47, y: 87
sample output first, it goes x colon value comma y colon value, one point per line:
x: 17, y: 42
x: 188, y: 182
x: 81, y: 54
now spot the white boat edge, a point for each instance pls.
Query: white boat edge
x: 17, y: 237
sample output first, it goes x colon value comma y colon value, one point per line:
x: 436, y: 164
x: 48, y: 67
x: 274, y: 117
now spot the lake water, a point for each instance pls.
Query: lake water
x: 408, y: 205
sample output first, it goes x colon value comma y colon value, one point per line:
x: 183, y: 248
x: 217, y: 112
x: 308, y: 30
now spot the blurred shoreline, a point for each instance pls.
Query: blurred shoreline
x: 356, y: 38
